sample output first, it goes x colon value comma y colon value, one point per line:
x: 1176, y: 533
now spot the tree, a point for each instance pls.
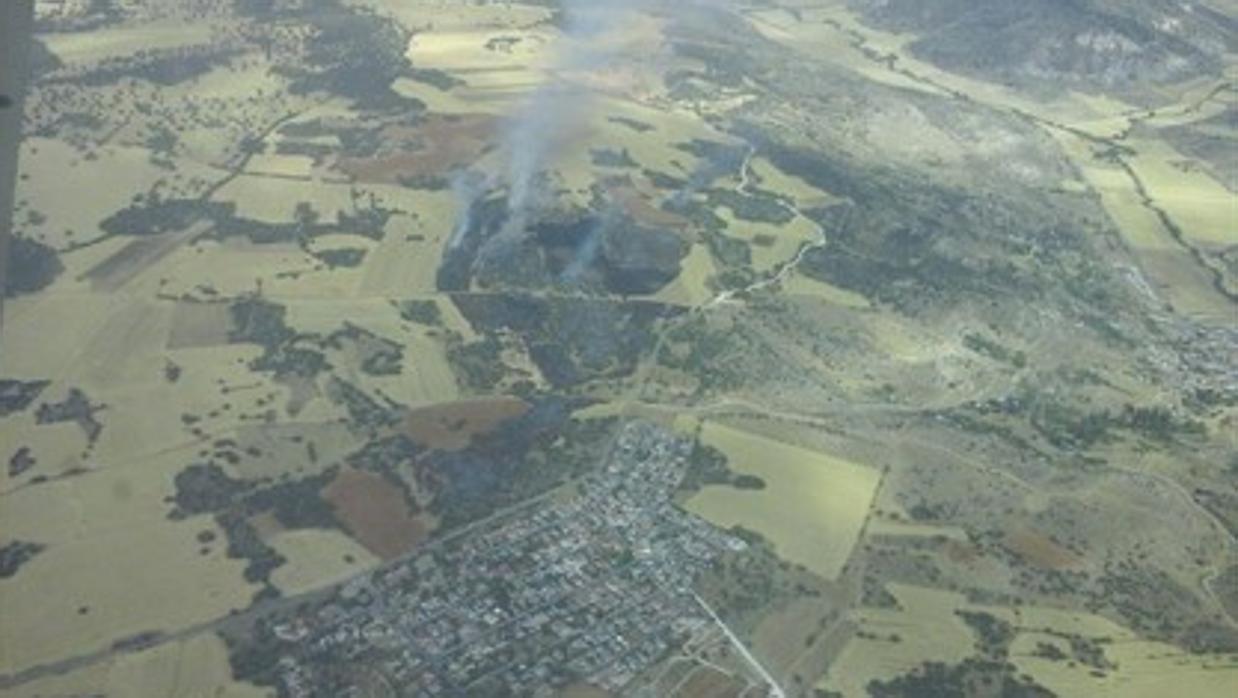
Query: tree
x: 254, y: 8
x: 32, y: 267
x: 357, y: 54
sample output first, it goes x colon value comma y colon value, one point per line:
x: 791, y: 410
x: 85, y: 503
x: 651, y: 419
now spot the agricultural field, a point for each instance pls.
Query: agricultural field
x: 791, y: 348
x: 810, y: 506
x: 179, y: 669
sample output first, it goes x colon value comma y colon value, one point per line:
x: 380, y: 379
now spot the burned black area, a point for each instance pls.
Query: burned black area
x: 564, y: 238
x: 591, y: 252
x: 609, y: 252
x: 522, y: 458
x: 570, y: 339
x: 636, y: 260
x: 455, y: 271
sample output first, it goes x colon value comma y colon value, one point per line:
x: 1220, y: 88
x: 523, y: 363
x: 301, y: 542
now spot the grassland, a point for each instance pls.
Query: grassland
x: 927, y: 626
x: 691, y: 287
x: 924, y: 628
x: 1139, y: 176
x: 811, y: 508
x: 128, y: 170
x: 113, y: 522
x: 782, y: 378
x: 318, y: 557
x: 141, y: 325
x: 1141, y: 669
x: 91, y: 47
x: 186, y: 669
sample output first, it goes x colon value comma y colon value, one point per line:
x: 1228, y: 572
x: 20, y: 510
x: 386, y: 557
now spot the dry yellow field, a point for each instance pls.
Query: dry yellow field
x: 88, y: 47
x: 813, y: 505
x: 689, y: 287
x: 787, y: 239
x: 497, y: 65
x: 299, y: 167
x: 813, y: 32
x: 426, y: 376
x: 1143, y: 669
x: 1202, y: 206
x: 112, y: 175
x: 34, y: 348
x: 316, y: 557
x: 192, y: 668
x: 405, y: 262
x: 928, y: 629
x: 801, y: 193
x: 1210, y: 219
x: 114, y: 565
x: 799, y: 284
x: 923, y: 628
x: 654, y: 149
x: 274, y: 199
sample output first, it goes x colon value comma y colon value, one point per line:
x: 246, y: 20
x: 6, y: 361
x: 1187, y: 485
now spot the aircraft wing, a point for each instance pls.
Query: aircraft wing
x: 16, y: 25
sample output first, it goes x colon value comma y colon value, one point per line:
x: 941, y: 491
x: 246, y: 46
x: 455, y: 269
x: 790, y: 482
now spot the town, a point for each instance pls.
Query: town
x: 595, y: 587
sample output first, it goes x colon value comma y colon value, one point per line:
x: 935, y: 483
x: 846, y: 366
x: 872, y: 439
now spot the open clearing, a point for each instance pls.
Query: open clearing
x: 811, y: 509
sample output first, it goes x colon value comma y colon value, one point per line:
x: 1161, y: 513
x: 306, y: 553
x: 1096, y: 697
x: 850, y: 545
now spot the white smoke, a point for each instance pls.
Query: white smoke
x: 538, y: 127
x: 468, y: 186
x: 588, y: 250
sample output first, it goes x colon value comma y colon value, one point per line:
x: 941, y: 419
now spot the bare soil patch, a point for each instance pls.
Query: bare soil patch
x: 266, y: 525
x: 434, y: 147
x: 199, y: 325
x: 710, y: 683
x: 1039, y: 550
x: 451, y: 426
x: 641, y: 208
x: 376, y: 513
x: 137, y: 256
x: 583, y: 690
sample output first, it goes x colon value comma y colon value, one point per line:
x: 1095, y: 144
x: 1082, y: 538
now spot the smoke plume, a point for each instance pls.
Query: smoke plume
x: 536, y: 129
